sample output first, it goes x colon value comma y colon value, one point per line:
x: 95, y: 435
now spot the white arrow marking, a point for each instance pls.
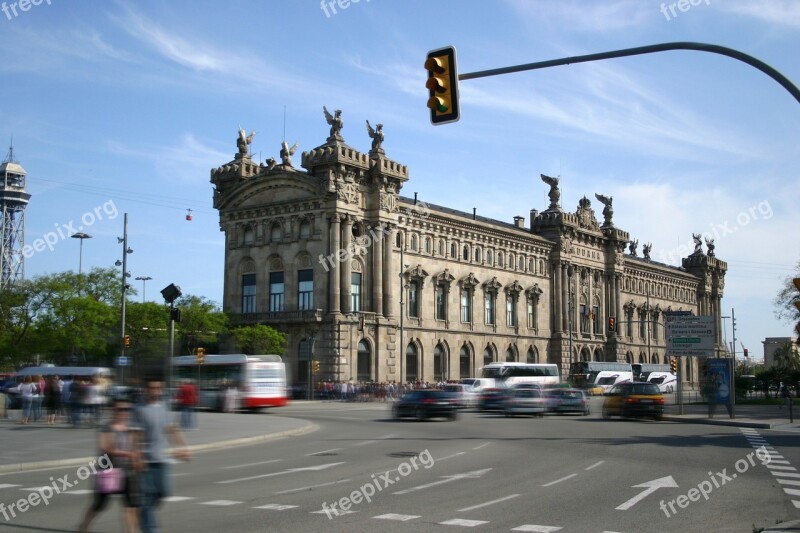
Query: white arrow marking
x: 289, y: 471
x: 447, y: 479
x: 651, y: 487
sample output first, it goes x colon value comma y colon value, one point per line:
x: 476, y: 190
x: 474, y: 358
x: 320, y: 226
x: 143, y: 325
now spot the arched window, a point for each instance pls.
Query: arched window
x: 465, y: 253
x: 414, y: 242
x: 477, y: 255
x: 510, y: 356
x: 305, y: 229
x: 275, y: 233
x: 398, y: 240
x: 489, y: 257
x: 441, y: 248
x: 427, y: 245
x: 439, y: 363
x: 249, y: 236
x: 453, y: 251
x: 364, y: 372
x: 533, y: 356
x: 488, y: 356
x: 412, y: 373
x: 464, y: 366
x: 500, y: 262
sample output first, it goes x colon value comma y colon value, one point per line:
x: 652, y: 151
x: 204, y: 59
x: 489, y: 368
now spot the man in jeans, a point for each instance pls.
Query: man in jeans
x: 187, y: 400
x: 153, y: 420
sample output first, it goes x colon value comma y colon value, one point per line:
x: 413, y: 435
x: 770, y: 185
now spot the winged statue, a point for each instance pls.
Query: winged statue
x: 608, y: 210
x: 287, y: 153
x: 376, y: 135
x: 554, y: 194
x: 335, y: 122
x: 244, y: 141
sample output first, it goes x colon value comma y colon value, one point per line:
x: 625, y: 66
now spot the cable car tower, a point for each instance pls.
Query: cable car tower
x: 13, y: 201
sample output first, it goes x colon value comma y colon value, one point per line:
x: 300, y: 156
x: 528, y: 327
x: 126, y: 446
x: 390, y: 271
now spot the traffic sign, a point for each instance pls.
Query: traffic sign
x: 122, y: 361
x: 691, y: 335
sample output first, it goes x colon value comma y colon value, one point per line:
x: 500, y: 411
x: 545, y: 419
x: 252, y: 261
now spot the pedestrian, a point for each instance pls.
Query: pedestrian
x: 157, y: 432
x: 187, y: 401
x: 52, y: 393
x: 26, y: 394
x: 786, y: 395
x: 120, y: 443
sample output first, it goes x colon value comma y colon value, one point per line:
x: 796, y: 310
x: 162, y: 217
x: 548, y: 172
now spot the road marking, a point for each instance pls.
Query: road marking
x: 222, y: 503
x: 779, y: 467
x: 792, y: 492
x: 559, y: 480
x: 275, y: 507
x: 323, y: 451
x: 329, y: 512
x: 179, y: 475
x: 598, y: 463
x: 173, y: 499
x: 251, y: 464
x: 786, y: 474
x: 447, y: 479
x: 779, y: 462
x: 389, y: 436
x: 312, y: 486
x: 394, y: 516
x: 796, y: 503
x: 7, y: 485
x: 463, y: 523
x: 650, y: 487
x: 536, y: 529
x: 488, y: 503
x: 450, y: 456
x: 364, y: 443
x: 481, y: 446
x: 788, y: 482
x: 281, y: 473
x: 80, y: 492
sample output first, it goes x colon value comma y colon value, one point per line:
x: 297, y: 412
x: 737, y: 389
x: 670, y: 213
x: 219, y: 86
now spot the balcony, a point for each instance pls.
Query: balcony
x: 277, y: 317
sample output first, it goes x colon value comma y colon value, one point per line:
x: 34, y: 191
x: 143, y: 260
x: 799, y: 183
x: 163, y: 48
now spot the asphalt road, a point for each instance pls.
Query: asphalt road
x: 482, y: 472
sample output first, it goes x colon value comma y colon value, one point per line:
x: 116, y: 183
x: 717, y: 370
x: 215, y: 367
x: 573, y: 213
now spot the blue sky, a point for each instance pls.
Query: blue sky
x: 125, y: 107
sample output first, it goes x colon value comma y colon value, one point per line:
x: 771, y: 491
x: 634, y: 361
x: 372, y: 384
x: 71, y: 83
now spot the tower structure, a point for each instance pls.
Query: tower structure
x: 13, y: 201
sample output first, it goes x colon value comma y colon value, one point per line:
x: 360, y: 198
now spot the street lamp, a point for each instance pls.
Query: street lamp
x: 125, y: 275
x: 81, y: 236
x: 171, y: 293
x: 143, y: 279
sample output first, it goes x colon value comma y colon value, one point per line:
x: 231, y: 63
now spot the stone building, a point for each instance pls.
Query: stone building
x: 382, y: 287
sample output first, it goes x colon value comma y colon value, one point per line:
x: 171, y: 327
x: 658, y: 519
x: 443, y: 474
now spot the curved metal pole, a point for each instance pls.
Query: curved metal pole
x: 650, y: 49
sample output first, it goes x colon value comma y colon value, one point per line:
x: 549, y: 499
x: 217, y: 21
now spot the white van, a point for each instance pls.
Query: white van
x: 666, y: 381
x: 606, y: 379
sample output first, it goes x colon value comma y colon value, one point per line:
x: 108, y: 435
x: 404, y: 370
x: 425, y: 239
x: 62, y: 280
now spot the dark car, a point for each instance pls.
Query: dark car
x: 424, y: 404
x: 634, y: 399
x: 493, y: 400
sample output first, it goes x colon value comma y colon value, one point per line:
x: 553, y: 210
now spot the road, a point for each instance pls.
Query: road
x: 482, y: 472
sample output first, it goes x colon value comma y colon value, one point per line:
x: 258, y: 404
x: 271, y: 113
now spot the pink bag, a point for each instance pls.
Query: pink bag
x: 109, y: 481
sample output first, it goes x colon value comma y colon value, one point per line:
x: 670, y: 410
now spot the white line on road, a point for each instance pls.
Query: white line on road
x: 330, y: 512
x: 251, y: 464
x: 364, y: 443
x: 80, y: 492
x: 792, y: 492
x: 788, y: 482
x: 536, y: 529
x: 395, y: 516
x: 447, y: 479
x: 779, y: 462
x: 463, y: 523
x: 283, y: 472
x: 779, y: 467
x: 465, y: 509
x: 174, y: 499
x: 289, y: 491
x: 323, y: 451
x: 450, y: 456
x: 481, y: 446
x: 222, y: 503
x: 275, y: 507
x: 598, y: 463
x: 559, y: 480
x: 7, y: 485
x: 786, y: 474
x: 389, y: 436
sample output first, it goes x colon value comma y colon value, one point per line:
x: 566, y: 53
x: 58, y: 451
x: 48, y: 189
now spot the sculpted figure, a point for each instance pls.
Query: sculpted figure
x: 646, y: 249
x: 632, y: 247
x: 608, y: 210
x: 243, y: 142
x: 554, y: 194
x: 287, y: 153
x: 698, y: 244
x: 710, y: 245
x: 377, y: 137
x: 335, y: 122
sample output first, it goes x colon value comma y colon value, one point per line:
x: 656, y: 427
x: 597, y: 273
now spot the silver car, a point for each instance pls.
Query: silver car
x: 526, y: 401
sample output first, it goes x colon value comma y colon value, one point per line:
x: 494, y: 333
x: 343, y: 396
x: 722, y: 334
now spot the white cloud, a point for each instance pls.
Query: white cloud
x: 599, y: 17
x: 778, y: 12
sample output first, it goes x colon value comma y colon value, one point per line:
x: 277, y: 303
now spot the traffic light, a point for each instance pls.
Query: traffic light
x: 612, y: 324
x: 316, y: 366
x: 201, y: 355
x: 126, y: 341
x: 442, y: 85
x: 673, y: 365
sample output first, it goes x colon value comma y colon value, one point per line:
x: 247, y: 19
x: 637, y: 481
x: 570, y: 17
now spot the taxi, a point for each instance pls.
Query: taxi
x: 634, y: 399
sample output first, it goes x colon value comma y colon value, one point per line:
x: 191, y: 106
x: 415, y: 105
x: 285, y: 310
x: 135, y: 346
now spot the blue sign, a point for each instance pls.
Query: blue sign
x: 122, y: 361
x: 719, y: 380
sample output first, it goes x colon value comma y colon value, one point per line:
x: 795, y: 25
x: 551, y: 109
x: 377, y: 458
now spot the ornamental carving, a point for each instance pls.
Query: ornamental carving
x: 444, y: 277
x: 389, y: 202
x: 585, y: 214
x: 348, y: 192
x: 514, y: 288
x: 492, y: 285
x: 469, y: 281
x: 566, y: 246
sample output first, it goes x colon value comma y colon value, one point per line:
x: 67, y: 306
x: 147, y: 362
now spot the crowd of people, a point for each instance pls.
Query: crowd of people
x: 368, y: 391
x: 80, y: 400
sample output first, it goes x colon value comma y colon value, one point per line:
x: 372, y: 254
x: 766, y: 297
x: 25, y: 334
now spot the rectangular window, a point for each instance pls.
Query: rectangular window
x: 441, y: 303
x: 596, y: 320
x: 249, y: 293
x: 584, y: 318
x: 489, y: 306
x: 642, y: 325
x: 511, y: 310
x: 276, y: 291
x: 466, y: 305
x: 305, y: 289
x: 629, y: 325
x: 655, y: 327
x: 355, y: 291
x: 413, y: 299
x: 531, y: 314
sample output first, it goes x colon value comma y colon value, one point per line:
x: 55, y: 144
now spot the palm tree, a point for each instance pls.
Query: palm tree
x: 787, y: 357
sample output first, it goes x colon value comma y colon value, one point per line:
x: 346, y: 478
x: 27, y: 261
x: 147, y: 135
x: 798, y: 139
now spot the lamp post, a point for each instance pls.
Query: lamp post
x: 125, y: 274
x: 171, y: 293
x: 81, y: 236
x: 143, y: 279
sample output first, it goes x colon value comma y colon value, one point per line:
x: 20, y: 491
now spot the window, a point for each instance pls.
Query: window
x: 305, y: 229
x: 441, y: 248
x: 441, y: 303
x: 510, y: 356
x: 453, y: 251
x: 413, y: 300
x: 531, y: 314
x: 465, y: 254
x: 642, y: 324
x: 411, y: 363
x: 477, y: 255
x: 305, y: 289
x: 463, y: 364
x: 489, y: 305
x: 466, y: 305
x: 500, y: 262
x: 655, y: 327
x: 249, y: 293
x: 414, y: 242
x: 275, y: 233
x: 511, y: 310
x: 489, y: 257
x: 249, y: 236
x: 488, y: 356
x: 276, y: 291
x: 438, y: 363
x: 584, y: 318
x: 364, y: 370
x: 629, y: 324
x: 427, y: 245
x: 532, y: 356
x: 596, y: 329
x: 355, y: 291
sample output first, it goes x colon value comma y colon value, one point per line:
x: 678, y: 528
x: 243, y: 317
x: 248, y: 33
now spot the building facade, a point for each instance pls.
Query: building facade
x: 381, y: 287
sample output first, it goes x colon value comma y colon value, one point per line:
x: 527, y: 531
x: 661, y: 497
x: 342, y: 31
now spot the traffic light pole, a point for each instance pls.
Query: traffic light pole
x: 641, y: 50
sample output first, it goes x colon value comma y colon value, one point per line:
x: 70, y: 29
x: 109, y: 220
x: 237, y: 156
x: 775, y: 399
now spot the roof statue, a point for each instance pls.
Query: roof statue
x: 244, y: 141
x: 608, y: 210
x: 710, y: 245
x: 377, y: 137
x: 632, y: 247
x: 698, y: 244
x: 336, y: 124
x: 555, y: 194
x: 646, y: 249
x: 287, y: 153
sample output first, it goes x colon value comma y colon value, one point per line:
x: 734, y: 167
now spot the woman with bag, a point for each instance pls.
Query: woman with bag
x: 120, y: 442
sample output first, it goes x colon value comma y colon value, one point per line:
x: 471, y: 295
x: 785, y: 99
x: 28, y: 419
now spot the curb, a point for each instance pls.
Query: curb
x: 785, y: 526
x: 718, y: 422
x: 43, y: 465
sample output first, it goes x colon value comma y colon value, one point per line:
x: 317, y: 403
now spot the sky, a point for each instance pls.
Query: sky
x: 124, y: 107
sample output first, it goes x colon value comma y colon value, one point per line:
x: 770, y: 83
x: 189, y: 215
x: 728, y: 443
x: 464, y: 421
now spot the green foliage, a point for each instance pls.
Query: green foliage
x: 259, y: 339
x: 784, y: 301
x: 202, y: 321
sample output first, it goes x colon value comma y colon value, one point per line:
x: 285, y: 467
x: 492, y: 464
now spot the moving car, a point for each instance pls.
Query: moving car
x: 634, y: 399
x: 568, y: 401
x: 526, y: 401
x: 427, y: 403
x: 465, y: 395
x: 493, y: 399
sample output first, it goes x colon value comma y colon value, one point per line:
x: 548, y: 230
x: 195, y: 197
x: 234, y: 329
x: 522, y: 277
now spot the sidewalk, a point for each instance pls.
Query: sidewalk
x: 752, y: 416
x: 41, y: 446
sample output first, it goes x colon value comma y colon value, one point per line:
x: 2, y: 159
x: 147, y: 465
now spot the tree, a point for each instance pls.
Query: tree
x: 787, y: 358
x: 202, y: 321
x: 786, y: 298
x: 259, y: 339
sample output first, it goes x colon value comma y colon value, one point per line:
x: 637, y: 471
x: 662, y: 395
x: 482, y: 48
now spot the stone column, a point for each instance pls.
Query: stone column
x: 334, y: 265
x: 555, y: 298
x: 565, y: 288
x: 346, y: 265
x: 376, y: 238
x: 617, y: 299
x: 389, y: 272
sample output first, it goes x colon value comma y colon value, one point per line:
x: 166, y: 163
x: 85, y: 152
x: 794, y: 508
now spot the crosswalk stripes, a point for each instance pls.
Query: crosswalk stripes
x: 785, y: 474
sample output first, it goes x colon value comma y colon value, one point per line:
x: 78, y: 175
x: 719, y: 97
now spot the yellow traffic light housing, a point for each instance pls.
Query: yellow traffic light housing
x: 316, y: 366
x: 126, y: 341
x: 612, y: 324
x: 201, y: 355
x: 442, y: 85
x: 673, y: 365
